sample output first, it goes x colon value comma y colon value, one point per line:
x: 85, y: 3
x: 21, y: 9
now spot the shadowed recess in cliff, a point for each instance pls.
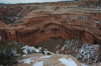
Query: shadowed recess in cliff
x: 86, y: 53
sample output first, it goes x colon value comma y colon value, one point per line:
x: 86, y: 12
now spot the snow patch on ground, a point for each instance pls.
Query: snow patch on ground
x: 47, y: 56
x: 38, y: 63
x: 83, y: 64
x: 26, y: 60
x: 68, y: 62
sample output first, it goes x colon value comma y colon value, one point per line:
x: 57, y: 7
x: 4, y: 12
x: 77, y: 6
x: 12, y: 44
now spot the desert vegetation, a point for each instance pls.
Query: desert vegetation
x: 10, y: 52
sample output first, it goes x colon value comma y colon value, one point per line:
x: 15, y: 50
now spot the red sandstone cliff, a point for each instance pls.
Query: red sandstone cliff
x: 32, y: 23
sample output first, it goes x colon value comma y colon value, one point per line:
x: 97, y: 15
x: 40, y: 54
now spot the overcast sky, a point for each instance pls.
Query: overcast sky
x: 29, y: 1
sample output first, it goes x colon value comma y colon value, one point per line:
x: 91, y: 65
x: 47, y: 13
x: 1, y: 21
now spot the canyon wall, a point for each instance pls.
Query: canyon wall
x: 34, y: 23
x: 62, y: 25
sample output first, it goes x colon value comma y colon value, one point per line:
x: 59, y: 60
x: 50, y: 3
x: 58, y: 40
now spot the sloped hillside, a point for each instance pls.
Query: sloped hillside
x: 39, y: 59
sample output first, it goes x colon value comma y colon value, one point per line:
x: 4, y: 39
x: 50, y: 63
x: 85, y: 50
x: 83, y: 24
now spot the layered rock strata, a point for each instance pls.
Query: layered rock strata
x: 33, y: 23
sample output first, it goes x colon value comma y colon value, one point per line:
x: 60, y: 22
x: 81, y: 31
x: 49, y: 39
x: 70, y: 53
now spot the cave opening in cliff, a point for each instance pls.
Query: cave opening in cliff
x: 56, y: 43
x: 51, y: 43
x: 76, y: 47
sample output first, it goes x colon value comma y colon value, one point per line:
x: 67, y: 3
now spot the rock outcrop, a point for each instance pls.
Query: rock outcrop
x: 49, y: 60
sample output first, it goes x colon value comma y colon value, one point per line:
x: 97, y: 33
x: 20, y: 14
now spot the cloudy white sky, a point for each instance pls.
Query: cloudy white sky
x: 29, y: 1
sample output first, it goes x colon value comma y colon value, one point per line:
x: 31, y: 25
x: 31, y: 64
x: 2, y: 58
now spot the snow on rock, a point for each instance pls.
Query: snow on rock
x: 37, y: 50
x: 26, y: 60
x: 57, y: 51
x: 47, y: 56
x: 69, y: 44
x: 31, y: 50
x: 63, y: 48
x: 89, y: 52
x: 28, y: 49
x: 23, y: 55
x: 97, y: 21
x: 57, y: 46
x: 85, y: 51
x: 51, y: 53
x: 68, y: 62
x: 0, y: 37
x: 38, y: 63
x: 83, y: 64
x: 50, y: 60
x: 46, y: 52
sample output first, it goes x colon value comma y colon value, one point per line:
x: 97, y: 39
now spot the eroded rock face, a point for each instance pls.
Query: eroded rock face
x: 33, y: 23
